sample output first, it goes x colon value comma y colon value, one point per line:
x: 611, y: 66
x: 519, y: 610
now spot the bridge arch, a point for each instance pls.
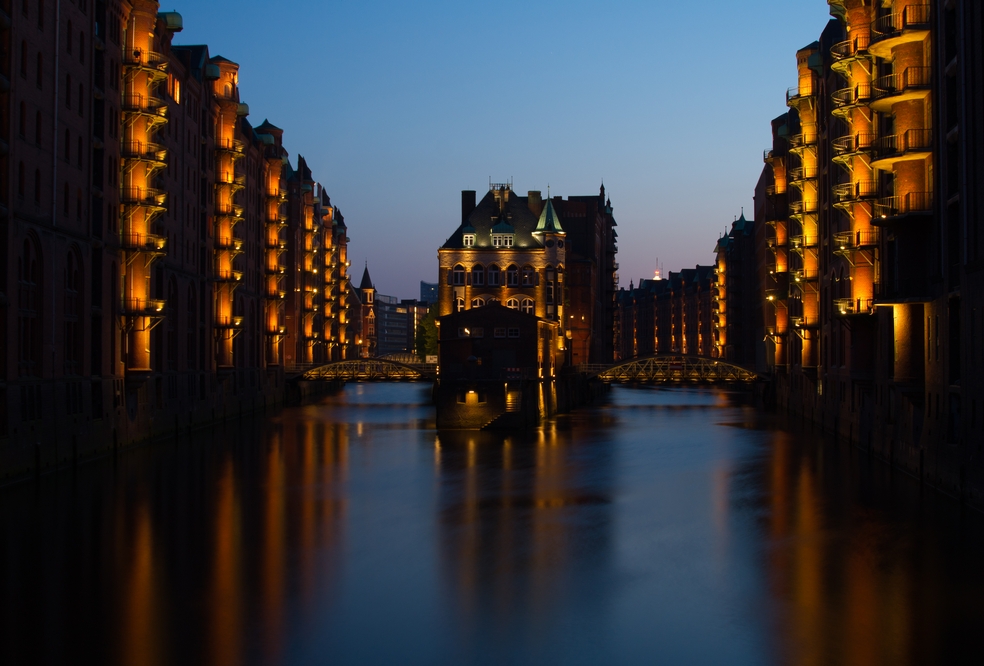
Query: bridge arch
x: 670, y: 368
x: 369, y: 369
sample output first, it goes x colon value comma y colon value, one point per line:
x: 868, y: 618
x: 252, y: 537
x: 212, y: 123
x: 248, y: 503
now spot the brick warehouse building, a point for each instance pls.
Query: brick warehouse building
x: 554, y: 258
x: 144, y: 224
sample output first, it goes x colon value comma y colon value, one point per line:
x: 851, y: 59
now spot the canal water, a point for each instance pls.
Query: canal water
x: 676, y: 526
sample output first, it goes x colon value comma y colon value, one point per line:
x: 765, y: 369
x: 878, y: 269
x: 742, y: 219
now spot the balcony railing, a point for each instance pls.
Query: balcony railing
x: 845, y: 307
x: 851, y: 192
x: 846, y: 99
x: 143, y: 242
x: 143, y: 150
x: 143, y: 196
x: 229, y: 243
x: 851, y: 48
x: 806, y: 137
x: 912, y: 18
x: 143, y: 307
x: 227, y: 322
x: 144, y: 104
x: 804, y: 274
x: 803, y: 241
x: 229, y: 276
x: 800, y: 174
x: 906, y: 204
x: 910, y: 141
x: 144, y: 59
x: 797, y: 94
x: 802, y: 321
x: 234, y: 146
x: 907, y: 289
x: 846, y: 241
x: 853, y: 144
x: 802, y: 207
x: 911, y: 79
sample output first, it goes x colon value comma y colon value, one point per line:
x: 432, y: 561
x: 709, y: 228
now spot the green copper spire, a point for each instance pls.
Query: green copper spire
x: 549, y: 222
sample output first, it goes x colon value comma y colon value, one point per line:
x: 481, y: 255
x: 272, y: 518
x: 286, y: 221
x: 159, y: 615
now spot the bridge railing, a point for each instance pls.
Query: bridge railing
x: 669, y: 368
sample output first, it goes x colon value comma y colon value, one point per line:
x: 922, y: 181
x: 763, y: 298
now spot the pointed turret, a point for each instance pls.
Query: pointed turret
x: 549, y: 222
x: 366, y: 280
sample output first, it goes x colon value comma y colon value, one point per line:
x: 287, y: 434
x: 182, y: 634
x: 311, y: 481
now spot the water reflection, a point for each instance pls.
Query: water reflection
x: 682, y: 526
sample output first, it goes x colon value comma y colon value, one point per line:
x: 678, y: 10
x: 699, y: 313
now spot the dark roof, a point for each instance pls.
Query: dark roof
x: 220, y: 59
x: 516, y: 213
x: 266, y: 127
x: 366, y: 280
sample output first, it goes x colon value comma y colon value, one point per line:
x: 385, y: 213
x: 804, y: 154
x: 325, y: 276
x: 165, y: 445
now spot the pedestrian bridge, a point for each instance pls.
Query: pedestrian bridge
x: 372, y: 370
x: 670, y: 368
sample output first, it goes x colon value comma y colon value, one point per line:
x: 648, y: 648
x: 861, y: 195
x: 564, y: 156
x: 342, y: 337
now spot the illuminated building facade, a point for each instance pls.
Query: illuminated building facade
x: 143, y: 228
x: 552, y: 258
x: 873, y: 247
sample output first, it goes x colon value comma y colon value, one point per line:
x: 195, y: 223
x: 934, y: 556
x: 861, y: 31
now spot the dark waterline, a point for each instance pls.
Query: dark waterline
x: 671, y: 526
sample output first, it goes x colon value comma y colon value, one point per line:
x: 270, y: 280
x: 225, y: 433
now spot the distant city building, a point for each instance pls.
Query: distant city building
x: 428, y: 292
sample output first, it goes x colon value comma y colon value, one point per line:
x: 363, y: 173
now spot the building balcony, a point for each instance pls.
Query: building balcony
x: 848, y: 242
x: 144, y: 197
x: 777, y: 293
x: 143, y: 307
x: 800, y: 209
x: 230, y: 244
x: 800, y: 175
x: 846, y: 52
x: 912, y: 24
x: 227, y: 322
x: 275, y: 270
x: 846, y: 194
x: 233, y: 147
x: 797, y: 96
x: 848, y: 307
x: 149, y: 106
x: 912, y: 83
x: 804, y: 275
x: 847, y: 99
x: 229, y: 210
x: 802, y: 242
x: 148, y: 243
x: 846, y: 148
x: 151, y: 62
x: 235, y: 182
x: 279, y: 246
x: 913, y: 144
x: 889, y: 210
x: 229, y: 276
x: 803, y: 322
x: 806, y: 138
x: 143, y: 151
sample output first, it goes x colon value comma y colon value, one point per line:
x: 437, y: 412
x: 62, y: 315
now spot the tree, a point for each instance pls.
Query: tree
x: 427, y: 334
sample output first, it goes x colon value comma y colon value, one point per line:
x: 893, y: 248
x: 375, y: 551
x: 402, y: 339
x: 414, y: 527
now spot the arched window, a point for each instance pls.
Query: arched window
x: 65, y: 199
x: 494, y: 275
x: 492, y: 301
x: 527, y: 306
x: 68, y: 145
x: 68, y: 91
x: 20, y: 179
x: 40, y: 71
x: 512, y: 276
x: 512, y: 303
x: 459, y: 304
x: 551, y: 279
x: 81, y: 98
x: 478, y: 302
x: 528, y: 279
x: 78, y: 153
x: 478, y: 275
x: 73, y: 314
x: 458, y: 275
x: 29, y: 271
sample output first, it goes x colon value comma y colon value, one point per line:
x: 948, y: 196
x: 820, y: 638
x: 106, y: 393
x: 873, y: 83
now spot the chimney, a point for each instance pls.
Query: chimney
x: 535, y: 202
x: 467, y: 203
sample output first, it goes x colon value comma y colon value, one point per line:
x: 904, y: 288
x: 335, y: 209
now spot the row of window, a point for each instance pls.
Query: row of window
x: 514, y: 277
x: 479, y: 332
x: 525, y: 305
x: 498, y: 240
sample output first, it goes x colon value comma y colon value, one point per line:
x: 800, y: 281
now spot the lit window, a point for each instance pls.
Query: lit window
x: 459, y: 275
x: 478, y: 302
x: 513, y: 303
x: 527, y: 306
x: 478, y: 275
x: 528, y: 278
x: 494, y: 273
x: 512, y: 276
x: 469, y: 240
x: 502, y: 240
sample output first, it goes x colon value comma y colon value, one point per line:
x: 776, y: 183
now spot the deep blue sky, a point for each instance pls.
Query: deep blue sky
x: 398, y: 106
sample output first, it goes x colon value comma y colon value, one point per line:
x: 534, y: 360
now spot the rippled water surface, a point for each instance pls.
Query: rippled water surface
x: 658, y: 526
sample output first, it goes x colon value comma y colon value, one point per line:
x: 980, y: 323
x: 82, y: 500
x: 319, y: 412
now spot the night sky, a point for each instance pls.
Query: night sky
x: 398, y: 106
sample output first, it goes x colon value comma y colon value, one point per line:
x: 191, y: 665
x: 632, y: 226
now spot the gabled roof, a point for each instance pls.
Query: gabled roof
x: 266, y: 127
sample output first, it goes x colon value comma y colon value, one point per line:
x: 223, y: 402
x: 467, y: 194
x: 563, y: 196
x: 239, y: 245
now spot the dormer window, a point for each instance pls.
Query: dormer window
x: 502, y: 240
x: 469, y: 240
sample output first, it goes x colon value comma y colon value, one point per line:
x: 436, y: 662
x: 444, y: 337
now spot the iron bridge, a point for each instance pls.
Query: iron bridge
x: 372, y: 370
x: 670, y: 368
